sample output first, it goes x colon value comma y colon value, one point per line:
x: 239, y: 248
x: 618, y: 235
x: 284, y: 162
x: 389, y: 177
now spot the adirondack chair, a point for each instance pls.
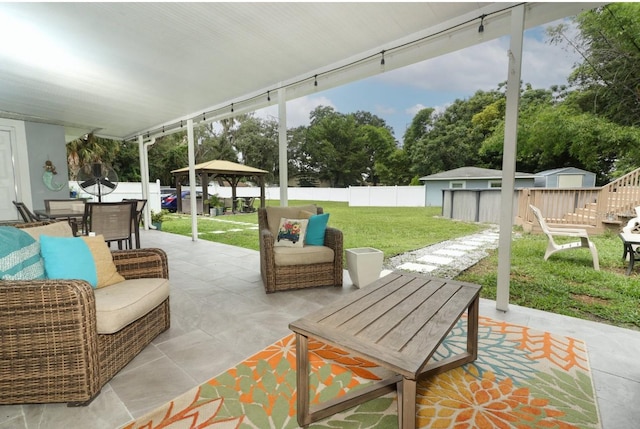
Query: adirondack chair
x: 554, y: 247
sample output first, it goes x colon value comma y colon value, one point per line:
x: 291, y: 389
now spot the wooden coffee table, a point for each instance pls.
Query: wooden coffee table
x: 397, y: 322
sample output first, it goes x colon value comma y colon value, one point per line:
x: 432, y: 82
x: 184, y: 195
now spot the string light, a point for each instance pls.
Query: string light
x: 382, y: 59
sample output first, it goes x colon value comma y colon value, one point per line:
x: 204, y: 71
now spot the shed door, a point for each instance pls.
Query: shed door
x: 570, y: 181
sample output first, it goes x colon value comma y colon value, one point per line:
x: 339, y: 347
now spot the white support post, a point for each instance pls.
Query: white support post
x: 509, y: 157
x: 144, y: 178
x: 192, y: 180
x: 282, y: 146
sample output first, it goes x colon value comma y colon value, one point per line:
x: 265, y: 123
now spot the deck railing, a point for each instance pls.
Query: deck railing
x: 596, y: 208
x: 623, y: 194
x: 567, y: 206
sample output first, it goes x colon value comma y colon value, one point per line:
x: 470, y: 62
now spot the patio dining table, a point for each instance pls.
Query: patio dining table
x: 61, y: 213
x: 74, y: 215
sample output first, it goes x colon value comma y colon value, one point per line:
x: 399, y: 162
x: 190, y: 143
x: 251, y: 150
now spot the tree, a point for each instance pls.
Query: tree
x: 555, y: 136
x: 89, y: 149
x: 127, y: 162
x: 333, y: 149
x: 608, y: 78
x: 443, y: 141
x: 257, y: 141
x: 394, y: 170
x: 378, y: 145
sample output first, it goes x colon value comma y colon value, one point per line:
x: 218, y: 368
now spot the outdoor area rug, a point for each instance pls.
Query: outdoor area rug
x: 522, y: 379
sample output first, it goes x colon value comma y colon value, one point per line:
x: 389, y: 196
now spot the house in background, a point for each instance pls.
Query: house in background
x: 566, y: 177
x: 468, y: 178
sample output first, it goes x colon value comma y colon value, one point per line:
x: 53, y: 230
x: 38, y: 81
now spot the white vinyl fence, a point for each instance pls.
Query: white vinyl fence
x: 356, y: 196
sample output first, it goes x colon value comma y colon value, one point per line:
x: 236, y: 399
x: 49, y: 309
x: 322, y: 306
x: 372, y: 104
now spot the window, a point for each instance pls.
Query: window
x: 457, y: 185
x: 495, y: 183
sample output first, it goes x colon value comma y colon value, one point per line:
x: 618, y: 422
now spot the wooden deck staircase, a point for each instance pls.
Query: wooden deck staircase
x: 596, y: 209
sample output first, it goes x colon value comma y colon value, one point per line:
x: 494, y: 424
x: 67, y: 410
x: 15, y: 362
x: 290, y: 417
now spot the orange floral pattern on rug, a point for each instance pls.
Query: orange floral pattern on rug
x: 564, y: 352
x: 521, y: 379
x: 194, y: 414
x: 460, y: 400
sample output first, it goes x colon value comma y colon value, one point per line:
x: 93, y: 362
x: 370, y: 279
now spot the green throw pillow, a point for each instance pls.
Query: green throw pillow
x: 315, y: 229
x: 19, y: 255
x: 68, y: 258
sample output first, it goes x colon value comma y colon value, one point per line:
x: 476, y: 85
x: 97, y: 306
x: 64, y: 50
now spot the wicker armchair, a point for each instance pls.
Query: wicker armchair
x: 277, y: 277
x: 51, y: 351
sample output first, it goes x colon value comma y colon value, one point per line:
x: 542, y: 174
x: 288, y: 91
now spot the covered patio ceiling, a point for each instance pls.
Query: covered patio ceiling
x: 140, y: 70
x: 128, y: 69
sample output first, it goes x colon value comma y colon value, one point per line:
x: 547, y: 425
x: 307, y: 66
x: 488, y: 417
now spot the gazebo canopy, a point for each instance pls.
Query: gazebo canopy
x: 221, y: 167
x: 231, y: 171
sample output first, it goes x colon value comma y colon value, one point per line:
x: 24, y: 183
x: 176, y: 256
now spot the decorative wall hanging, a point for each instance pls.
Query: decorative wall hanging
x: 47, y: 177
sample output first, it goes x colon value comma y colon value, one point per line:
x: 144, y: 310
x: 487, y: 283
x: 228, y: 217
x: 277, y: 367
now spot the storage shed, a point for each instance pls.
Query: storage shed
x: 566, y: 177
x: 468, y: 178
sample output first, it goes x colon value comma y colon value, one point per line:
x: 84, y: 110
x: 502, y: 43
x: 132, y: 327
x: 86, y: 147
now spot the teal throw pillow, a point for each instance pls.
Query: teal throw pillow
x: 316, y: 228
x: 19, y: 255
x: 68, y: 258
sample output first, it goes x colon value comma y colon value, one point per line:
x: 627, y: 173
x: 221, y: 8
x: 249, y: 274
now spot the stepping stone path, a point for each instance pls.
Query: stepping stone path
x: 448, y: 258
x: 242, y: 226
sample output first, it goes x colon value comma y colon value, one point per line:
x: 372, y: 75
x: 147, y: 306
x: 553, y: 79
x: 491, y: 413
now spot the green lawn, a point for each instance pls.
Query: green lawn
x: 393, y: 230
x: 565, y: 284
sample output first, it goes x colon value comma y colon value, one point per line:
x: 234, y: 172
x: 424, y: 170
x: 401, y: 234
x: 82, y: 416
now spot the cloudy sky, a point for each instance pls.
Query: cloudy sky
x: 397, y: 95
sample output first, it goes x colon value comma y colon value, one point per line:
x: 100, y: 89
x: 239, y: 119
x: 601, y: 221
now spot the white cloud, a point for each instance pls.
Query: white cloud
x: 484, y: 66
x: 298, y: 110
x: 479, y: 67
x: 413, y: 110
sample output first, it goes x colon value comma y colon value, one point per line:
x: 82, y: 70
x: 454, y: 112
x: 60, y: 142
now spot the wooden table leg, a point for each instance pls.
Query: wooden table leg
x: 407, y: 403
x: 472, y: 328
x: 302, y: 379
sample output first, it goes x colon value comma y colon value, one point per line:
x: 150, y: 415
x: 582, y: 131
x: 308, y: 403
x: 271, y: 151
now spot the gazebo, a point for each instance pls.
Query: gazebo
x: 232, y: 172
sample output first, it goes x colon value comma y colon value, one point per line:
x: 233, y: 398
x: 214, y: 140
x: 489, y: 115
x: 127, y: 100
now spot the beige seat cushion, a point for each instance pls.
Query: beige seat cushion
x: 122, y: 303
x: 302, y: 256
x: 55, y: 229
x: 274, y: 214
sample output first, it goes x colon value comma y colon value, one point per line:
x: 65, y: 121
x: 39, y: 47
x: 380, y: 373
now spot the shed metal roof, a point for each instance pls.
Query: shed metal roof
x: 466, y: 173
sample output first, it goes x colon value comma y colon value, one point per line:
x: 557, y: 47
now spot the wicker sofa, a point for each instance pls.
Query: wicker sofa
x: 284, y: 268
x: 52, y: 350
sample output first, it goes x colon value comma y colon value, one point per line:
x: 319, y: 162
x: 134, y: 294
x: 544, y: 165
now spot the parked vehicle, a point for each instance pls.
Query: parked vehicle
x: 170, y: 202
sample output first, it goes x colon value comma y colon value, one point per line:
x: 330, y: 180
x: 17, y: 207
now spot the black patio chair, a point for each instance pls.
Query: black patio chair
x: 28, y: 215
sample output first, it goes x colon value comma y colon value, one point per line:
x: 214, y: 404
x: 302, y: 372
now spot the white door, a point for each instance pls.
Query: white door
x: 570, y: 181
x: 7, y: 175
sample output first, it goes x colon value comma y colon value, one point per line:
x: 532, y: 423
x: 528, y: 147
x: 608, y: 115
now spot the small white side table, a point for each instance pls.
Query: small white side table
x: 364, y: 265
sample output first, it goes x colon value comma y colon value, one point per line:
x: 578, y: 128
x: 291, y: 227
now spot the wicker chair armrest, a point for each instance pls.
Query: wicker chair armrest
x: 267, y: 241
x: 333, y: 238
x: 48, y: 335
x: 141, y: 263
